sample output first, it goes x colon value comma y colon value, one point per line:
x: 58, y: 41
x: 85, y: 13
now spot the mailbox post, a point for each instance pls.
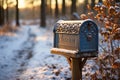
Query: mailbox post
x: 76, y: 40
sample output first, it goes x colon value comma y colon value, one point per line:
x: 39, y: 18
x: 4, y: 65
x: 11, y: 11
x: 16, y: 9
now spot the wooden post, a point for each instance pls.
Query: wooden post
x: 76, y: 63
x: 76, y: 69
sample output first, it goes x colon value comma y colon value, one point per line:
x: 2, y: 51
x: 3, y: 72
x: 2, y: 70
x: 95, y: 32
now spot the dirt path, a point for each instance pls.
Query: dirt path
x: 26, y: 51
x: 28, y: 57
x: 15, y: 54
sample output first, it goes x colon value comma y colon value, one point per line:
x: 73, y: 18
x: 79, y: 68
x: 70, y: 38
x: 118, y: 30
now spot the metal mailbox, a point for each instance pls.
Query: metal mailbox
x: 78, y: 35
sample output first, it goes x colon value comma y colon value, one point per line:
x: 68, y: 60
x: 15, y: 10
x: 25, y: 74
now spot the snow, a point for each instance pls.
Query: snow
x: 8, y: 48
x: 25, y: 55
x: 117, y: 61
x: 56, y: 50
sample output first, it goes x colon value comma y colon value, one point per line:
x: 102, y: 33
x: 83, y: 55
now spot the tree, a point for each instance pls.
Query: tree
x: 100, y: 1
x: 92, y: 4
x: 117, y: 0
x: 17, y: 14
x: 1, y: 12
x: 56, y: 9
x: 63, y: 7
x: 43, y: 13
x: 7, y: 2
x: 50, y: 8
x: 7, y: 13
x: 73, y: 6
x: 33, y: 8
x: 85, y: 6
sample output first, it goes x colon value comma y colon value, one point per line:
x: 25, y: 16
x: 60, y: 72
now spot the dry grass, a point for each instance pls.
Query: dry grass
x: 5, y: 29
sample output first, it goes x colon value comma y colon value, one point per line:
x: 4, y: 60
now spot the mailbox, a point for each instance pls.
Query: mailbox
x: 77, y: 35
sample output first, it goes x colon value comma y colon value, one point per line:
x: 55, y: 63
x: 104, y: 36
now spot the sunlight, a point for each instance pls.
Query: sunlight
x: 4, y: 6
x: 81, y: 1
x: 21, y: 4
x: 43, y: 38
x: 59, y: 3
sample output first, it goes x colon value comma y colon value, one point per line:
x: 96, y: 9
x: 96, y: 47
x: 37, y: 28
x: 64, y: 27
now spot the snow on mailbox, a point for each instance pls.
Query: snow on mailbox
x: 78, y: 35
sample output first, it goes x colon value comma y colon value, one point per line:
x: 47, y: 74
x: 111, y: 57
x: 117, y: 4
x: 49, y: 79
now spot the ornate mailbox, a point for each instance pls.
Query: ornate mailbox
x: 77, y: 35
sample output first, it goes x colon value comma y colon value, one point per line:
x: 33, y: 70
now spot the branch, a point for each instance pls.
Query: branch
x: 104, y: 49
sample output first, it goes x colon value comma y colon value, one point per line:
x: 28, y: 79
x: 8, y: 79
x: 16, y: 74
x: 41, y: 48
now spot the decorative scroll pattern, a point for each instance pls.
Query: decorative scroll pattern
x: 69, y: 28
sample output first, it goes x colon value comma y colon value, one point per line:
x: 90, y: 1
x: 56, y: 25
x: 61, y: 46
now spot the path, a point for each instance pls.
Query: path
x: 26, y: 56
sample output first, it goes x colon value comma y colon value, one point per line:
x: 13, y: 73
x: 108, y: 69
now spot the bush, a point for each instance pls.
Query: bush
x: 108, y: 18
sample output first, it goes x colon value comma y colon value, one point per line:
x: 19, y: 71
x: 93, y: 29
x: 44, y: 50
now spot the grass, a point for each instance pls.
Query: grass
x: 5, y: 29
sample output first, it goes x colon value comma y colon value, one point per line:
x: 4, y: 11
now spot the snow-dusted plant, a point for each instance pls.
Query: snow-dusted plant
x: 108, y: 19
x: 108, y: 14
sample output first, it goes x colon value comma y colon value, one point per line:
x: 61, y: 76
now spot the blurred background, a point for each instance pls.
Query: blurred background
x: 26, y: 37
x: 43, y: 11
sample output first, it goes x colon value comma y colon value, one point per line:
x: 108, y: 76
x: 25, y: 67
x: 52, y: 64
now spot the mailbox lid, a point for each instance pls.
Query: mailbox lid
x: 88, y: 37
x: 68, y: 27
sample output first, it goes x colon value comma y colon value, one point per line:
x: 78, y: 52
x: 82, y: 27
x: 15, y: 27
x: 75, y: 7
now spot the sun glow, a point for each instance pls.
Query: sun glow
x: 21, y: 4
x: 81, y: 1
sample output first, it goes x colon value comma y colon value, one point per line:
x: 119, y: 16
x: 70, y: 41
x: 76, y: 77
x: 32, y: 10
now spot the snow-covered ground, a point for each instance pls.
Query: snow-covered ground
x: 25, y: 55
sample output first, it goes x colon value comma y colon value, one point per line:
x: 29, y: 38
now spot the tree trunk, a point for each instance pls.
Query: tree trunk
x: 117, y: 0
x: 17, y: 14
x: 43, y: 14
x: 7, y: 13
x: 92, y: 4
x: 56, y: 9
x: 1, y: 12
x: 63, y: 8
x: 73, y: 6
x: 33, y: 9
x: 85, y: 6
x: 100, y: 1
x: 50, y: 8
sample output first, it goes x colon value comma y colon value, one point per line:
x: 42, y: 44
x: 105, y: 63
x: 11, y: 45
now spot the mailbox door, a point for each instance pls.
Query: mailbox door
x: 88, y: 37
x: 68, y: 41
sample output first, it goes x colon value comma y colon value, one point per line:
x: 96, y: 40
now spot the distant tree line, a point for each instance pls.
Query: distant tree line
x: 73, y: 8
x: 4, y: 13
